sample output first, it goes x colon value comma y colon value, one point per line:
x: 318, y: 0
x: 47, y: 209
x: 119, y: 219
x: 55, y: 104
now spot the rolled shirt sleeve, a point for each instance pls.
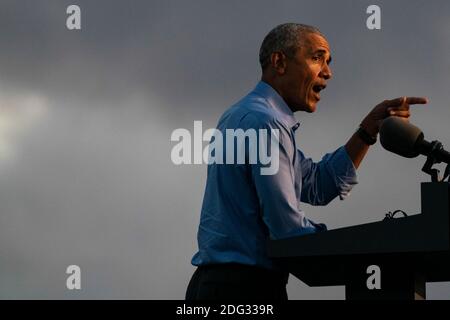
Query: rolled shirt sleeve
x: 334, y: 175
x: 279, y: 194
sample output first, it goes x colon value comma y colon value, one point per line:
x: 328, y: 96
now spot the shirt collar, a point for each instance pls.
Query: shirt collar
x: 277, y: 102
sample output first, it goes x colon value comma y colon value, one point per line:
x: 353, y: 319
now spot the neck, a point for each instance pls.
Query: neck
x: 276, y: 86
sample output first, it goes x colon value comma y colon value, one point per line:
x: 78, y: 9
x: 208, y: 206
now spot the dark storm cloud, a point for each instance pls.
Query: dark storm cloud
x: 91, y: 181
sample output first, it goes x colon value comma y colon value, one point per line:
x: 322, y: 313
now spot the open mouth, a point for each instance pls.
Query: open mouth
x: 317, y: 88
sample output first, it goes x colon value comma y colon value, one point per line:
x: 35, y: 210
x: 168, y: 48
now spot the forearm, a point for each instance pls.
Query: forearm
x: 356, y: 149
x: 357, y: 146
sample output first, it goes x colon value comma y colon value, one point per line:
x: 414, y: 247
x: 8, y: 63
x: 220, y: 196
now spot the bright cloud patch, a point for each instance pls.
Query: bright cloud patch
x: 18, y: 113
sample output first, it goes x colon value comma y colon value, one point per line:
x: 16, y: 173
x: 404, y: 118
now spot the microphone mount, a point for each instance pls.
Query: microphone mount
x: 433, y: 159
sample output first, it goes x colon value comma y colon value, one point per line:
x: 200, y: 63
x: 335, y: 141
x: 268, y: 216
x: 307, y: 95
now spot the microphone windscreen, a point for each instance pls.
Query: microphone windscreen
x: 400, y: 137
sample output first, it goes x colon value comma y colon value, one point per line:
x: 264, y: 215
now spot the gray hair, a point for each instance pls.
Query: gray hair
x: 287, y: 38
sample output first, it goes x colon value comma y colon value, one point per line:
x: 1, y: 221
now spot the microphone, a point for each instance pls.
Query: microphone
x: 407, y: 140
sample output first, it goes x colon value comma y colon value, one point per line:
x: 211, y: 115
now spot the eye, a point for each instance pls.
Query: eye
x: 317, y: 58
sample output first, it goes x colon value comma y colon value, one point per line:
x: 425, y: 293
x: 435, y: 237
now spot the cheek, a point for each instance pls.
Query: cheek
x: 308, y: 79
x: 307, y: 85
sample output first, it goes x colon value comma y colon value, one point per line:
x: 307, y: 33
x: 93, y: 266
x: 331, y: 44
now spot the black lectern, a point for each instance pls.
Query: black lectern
x: 404, y: 253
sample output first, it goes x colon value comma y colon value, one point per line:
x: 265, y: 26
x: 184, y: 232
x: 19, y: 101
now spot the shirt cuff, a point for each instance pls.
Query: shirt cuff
x: 343, y: 171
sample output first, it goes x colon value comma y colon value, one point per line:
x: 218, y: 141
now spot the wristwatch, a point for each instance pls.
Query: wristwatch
x: 366, y: 137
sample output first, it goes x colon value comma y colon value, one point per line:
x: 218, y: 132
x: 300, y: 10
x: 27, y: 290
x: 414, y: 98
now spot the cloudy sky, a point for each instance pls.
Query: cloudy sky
x: 86, y: 117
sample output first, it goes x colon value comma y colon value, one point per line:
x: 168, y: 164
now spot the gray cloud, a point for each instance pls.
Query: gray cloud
x: 91, y: 182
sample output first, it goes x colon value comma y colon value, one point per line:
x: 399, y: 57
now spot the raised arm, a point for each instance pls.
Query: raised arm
x: 356, y: 146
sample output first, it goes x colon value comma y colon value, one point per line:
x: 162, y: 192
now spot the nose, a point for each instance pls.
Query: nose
x: 326, y: 72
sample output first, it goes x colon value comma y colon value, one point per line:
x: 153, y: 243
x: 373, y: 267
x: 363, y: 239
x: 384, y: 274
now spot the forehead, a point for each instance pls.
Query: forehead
x: 315, y: 42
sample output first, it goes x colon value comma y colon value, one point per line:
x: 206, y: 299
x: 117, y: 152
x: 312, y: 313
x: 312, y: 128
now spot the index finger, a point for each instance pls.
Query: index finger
x: 405, y: 101
x: 416, y: 100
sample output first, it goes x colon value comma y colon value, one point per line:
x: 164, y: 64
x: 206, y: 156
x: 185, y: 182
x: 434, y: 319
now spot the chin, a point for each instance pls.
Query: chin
x: 310, y: 108
x: 306, y: 107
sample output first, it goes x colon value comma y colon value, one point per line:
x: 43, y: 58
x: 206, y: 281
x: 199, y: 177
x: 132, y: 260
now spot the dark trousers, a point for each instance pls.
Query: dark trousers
x: 225, y: 282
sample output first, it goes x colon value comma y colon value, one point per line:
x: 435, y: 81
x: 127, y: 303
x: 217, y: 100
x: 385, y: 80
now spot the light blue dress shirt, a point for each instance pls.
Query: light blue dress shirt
x: 243, y: 208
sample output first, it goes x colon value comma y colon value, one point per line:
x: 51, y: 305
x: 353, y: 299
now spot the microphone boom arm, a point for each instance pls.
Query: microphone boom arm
x: 432, y: 159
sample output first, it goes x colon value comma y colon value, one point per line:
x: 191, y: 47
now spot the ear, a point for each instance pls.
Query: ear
x: 278, y: 62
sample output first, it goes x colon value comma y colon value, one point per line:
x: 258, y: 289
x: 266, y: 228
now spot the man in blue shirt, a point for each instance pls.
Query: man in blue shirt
x: 242, y: 207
